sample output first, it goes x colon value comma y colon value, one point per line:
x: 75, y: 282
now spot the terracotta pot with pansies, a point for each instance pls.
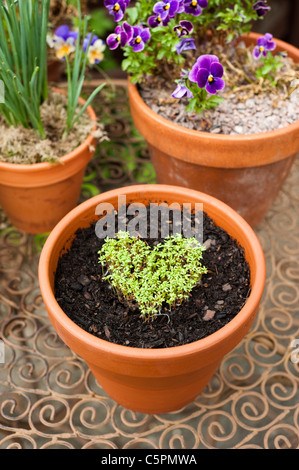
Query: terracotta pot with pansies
x: 155, y: 380
x: 246, y: 171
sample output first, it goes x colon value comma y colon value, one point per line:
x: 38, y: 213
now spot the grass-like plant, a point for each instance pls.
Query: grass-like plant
x: 152, y: 277
x: 76, y: 73
x: 23, y: 61
x: 23, y: 64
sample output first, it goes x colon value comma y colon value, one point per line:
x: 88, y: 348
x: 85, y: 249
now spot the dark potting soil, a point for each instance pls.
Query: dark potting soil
x: 92, y: 304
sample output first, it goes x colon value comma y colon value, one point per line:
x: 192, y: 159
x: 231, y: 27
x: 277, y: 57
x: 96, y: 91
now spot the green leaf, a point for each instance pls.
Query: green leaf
x: 132, y: 13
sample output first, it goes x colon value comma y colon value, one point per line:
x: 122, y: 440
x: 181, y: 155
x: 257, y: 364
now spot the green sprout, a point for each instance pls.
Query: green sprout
x: 151, y: 277
x: 269, y: 68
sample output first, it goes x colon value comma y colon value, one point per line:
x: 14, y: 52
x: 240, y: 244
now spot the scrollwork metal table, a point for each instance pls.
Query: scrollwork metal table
x: 49, y: 398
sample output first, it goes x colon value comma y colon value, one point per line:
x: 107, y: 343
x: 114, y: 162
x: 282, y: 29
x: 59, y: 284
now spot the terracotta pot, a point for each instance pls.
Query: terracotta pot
x: 152, y: 380
x: 35, y: 197
x: 244, y: 171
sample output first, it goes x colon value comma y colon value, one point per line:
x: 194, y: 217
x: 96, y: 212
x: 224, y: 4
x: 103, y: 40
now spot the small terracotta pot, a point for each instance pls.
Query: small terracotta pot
x: 35, y: 197
x: 244, y: 171
x: 152, y: 380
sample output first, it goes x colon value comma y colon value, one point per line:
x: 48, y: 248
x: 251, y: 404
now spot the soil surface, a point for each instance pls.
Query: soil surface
x: 24, y: 146
x: 92, y: 304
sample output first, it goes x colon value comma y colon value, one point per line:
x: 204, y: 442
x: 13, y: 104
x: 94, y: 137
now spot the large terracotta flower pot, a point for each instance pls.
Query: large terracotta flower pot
x: 244, y: 171
x: 152, y: 380
x: 35, y: 197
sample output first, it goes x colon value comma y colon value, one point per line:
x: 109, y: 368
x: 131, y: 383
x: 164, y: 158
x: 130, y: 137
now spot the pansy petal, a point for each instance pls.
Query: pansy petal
x: 202, y: 77
x: 174, y: 5
x: 206, y: 60
x: 159, y: 10
x: 211, y: 88
x: 219, y: 83
x: 179, y: 92
x: 268, y: 37
x: 152, y: 21
x: 216, y: 69
x: 123, y: 38
x: 136, y: 31
x: 271, y: 46
x: 145, y: 34
x: 256, y: 52
x: 62, y: 31
x: 138, y: 47
x: 193, y: 73
x: 128, y: 29
x: 261, y: 41
x: 191, y: 9
x: 187, y: 24
x: 112, y: 41
x: 118, y: 16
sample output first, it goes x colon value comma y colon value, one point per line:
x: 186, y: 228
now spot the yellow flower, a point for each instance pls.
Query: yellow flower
x: 63, y: 47
x: 95, y: 52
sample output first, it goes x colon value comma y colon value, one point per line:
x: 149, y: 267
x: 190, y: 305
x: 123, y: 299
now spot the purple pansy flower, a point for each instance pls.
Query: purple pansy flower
x: 207, y: 72
x: 194, y: 7
x: 185, y: 45
x: 183, y: 28
x: 261, y: 8
x: 181, y: 90
x: 140, y: 37
x: 121, y: 36
x: 264, y: 44
x: 166, y: 8
x: 116, y: 8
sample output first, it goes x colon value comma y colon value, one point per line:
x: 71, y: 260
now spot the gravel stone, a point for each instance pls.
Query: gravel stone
x: 252, y: 116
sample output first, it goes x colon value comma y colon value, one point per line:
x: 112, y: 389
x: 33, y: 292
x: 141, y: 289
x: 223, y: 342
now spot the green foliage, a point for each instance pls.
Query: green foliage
x: 224, y: 20
x: 23, y: 64
x: 220, y: 17
x: 165, y: 274
x: 201, y: 100
x: 236, y: 20
x: 76, y: 75
x: 161, y: 48
x: 268, y: 70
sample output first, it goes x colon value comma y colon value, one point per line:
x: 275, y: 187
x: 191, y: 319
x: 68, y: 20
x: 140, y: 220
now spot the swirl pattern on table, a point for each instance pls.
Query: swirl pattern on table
x: 49, y: 398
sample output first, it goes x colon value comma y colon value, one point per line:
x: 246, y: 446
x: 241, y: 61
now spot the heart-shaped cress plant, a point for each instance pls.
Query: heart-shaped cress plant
x: 151, y: 277
x: 150, y: 289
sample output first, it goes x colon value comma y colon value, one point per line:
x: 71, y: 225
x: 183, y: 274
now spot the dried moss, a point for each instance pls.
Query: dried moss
x: 20, y: 145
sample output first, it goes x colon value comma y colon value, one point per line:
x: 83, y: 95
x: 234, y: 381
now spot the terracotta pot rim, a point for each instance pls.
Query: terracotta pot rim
x: 36, y: 167
x: 150, y: 354
x: 217, y: 138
